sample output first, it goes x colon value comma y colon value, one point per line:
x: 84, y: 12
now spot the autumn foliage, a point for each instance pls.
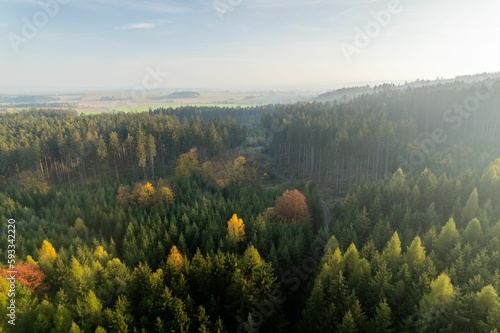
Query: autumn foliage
x: 236, y: 229
x: 291, y: 206
x: 144, y: 194
x: 175, y: 258
x: 28, y: 275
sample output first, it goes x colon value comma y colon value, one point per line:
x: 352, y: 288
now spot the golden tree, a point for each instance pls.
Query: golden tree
x: 236, y: 229
x: 47, y: 253
x: 175, y: 258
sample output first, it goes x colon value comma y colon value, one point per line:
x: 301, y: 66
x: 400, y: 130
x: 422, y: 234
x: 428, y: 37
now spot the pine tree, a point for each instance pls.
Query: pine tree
x: 151, y: 152
x: 471, y: 209
x: 447, y: 238
x: 62, y: 319
x: 348, y: 325
x: 415, y: 254
x: 441, y: 291
x: 392, y: 252
x: 333, y: 244
x: 350, y: 258
x: 382, y: 321
x: 473, y: 232
x: 140, y: 150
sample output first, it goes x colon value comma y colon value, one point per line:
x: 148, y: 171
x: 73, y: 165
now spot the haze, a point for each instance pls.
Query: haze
x: 251, y: 44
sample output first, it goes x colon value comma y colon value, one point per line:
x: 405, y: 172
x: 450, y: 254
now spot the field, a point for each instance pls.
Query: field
x: 112, y: 101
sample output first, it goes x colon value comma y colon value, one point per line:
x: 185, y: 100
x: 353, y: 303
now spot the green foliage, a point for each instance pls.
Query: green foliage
x: 448, y: 236
x: 133, y: 258
x: 471, y: 209
x: 473, y: 232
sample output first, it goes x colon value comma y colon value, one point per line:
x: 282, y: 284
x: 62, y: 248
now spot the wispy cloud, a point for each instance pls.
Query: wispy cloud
x: 145, y: 5
x: 137, y: 26
x: 144, y: 25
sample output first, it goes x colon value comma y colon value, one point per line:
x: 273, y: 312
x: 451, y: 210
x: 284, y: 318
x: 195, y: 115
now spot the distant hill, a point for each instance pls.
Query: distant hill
x: 344, y: 94
x: 184, y: 94
x: 28, y: 99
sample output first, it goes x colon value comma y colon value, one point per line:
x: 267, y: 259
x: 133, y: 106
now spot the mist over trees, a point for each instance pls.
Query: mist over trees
x: 380, y: 213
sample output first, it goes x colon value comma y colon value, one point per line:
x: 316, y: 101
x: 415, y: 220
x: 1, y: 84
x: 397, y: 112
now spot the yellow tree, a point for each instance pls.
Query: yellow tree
x: 47, y: 253
x: 236, y: 229
x: 441, y: 291
x: 175, y: 258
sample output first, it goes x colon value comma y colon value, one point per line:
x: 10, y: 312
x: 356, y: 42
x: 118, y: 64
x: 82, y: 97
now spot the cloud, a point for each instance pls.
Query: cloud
x: 144, y: 5
x: 137, y: 26
x: 144, y: 25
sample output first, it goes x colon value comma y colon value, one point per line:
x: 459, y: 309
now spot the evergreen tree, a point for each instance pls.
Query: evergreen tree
x: 471, y: 209
x: 447, y: 238
x: 392, y: 252
x: 473, y: 232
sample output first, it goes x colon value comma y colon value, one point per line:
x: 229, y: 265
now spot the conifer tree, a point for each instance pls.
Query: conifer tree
x: 471, y: 209
x: 392, y: 252
x: 447, y: 238
x: 473, y: 232
x: 415, y: 254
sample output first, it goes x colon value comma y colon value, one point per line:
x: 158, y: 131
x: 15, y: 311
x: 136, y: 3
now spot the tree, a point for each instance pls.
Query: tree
x: 143, y: 194
x: 415, y: 254
x: 392, y: 252
x: 89, y: 310
x: 80, y: 227
x: 332, y: 245
x: 62, y: 319
x: 123, y: 195
x: 175, y: 258
x: 151, y: 150
x: 291, y: 206
x: 140, y: 150
x: 447, y: 238
x: 441, y: 291
x: 114, y: 150
x: 350, y: 258
x: 348, y: 325
x: 235, y: 229
x: 471, y: 209
x: 47, y: 253
x: 382, y: 321
x: 473, y: 232
x: 29, y: 276
x: 187, y: 164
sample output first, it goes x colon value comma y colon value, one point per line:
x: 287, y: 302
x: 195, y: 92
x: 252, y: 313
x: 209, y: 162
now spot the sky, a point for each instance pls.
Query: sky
x: 69, y: 45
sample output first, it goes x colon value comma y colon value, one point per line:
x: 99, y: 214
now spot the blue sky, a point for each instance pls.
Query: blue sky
x: 253, y: 44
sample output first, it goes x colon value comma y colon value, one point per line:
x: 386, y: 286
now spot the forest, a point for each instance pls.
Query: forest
x: 376, y: 213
